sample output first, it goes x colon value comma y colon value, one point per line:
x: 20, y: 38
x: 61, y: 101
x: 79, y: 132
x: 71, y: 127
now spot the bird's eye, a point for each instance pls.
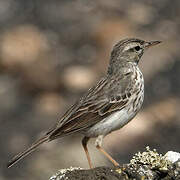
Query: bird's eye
x: 137, y: 48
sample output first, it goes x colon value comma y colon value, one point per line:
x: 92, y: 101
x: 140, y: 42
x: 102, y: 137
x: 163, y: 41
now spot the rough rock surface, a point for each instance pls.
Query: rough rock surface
x: 148, y: 165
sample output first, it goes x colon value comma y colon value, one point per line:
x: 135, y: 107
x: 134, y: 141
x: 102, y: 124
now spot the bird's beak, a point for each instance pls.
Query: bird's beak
x: 151, y: 43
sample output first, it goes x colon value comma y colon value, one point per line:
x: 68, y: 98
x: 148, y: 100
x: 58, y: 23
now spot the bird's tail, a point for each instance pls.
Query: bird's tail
x: 26, y: 152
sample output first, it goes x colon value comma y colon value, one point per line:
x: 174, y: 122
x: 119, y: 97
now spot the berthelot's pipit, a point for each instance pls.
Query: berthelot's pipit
x: 107, y: 106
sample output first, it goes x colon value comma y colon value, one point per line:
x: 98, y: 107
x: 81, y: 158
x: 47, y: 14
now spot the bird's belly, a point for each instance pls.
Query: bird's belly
x: 111, y: 123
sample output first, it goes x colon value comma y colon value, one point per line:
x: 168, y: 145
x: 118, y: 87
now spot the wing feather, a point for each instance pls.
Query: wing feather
x: 91, y: 108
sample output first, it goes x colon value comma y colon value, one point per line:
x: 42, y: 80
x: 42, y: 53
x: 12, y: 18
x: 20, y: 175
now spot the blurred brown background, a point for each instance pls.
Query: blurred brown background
x: 52, y: 51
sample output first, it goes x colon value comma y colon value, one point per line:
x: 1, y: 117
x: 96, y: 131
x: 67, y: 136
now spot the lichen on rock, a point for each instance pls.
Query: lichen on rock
x: 152, y: 158
x: 148, y: 165
x: 62, y: 173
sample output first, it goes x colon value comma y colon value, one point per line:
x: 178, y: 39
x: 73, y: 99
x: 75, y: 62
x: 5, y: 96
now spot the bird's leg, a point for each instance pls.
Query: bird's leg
x: 98, y: 144
x: 84, y: 143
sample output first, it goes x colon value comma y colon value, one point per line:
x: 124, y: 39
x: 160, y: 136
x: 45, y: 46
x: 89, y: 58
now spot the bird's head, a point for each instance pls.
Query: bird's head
x: 130, y: 50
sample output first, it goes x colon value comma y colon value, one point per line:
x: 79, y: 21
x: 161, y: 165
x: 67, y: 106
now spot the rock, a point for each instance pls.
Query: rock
x: 148, y: 165
x: 172, y: 156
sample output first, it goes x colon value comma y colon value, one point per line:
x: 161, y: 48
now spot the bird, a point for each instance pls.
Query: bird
x: 108, y: 106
